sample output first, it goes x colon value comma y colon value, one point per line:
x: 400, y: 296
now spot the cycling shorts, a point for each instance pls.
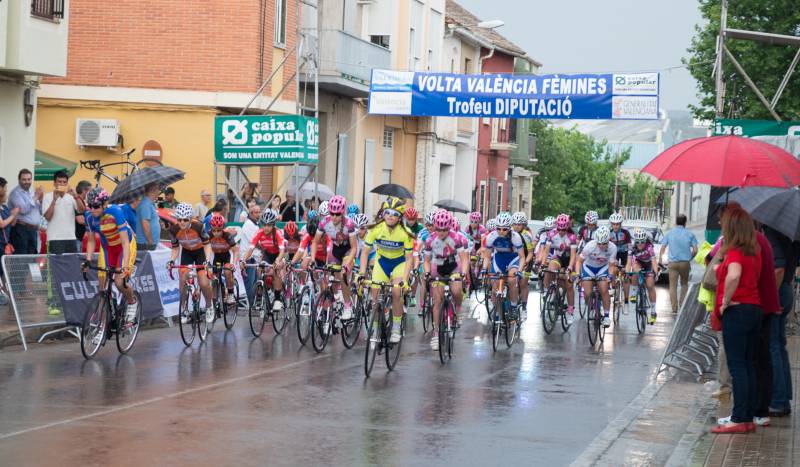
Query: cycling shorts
x: 196, y: 257
x: 222, y: 258
x: 502, y: 263
x: 444, y: 270
x: 646, y: 266
x: 589, y: 272
x: 386, y: 269
x: 562, y: 260
x: 338, y: 252
x: 622, y: 258
x: 112, y: 256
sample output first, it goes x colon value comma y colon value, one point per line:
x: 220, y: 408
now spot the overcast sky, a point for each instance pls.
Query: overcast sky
x: 570, y: 36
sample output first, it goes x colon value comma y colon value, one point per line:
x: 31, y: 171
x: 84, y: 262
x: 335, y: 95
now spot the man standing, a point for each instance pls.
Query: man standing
x: 169, y: 199
x: 59, y: 208
x: 25, y: 233
x: 81, y: 190
x: 201, y: 208
x: 246, y: 234
x: 148, y: 227
x: 288, y: 211
x: 682, y: 248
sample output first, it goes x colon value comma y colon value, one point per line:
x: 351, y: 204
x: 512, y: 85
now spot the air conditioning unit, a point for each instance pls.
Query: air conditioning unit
x: 96, y: 132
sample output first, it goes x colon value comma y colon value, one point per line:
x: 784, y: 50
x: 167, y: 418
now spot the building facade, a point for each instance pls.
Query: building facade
x: 33, y: 44
x: 164, y: 81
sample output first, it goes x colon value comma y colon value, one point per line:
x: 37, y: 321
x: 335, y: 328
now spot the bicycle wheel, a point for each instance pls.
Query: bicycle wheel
x: 393, y: 350
x: 323, y: 321
x: 189, y: 328
x: 511, y: 325
x: 582, y: 306
x: 563, y: 314
x: 374, y: 331
x: 444, y: 331
x: 231, y: 312
x: 351, y: 328
x: 258, y: 310
x: 305, y: 311
x: 592, y: 320
x: 427, y: 313
x: 497, y: 326
x: 128, y: 331
x: 601, y: 330
x: 95, y: 326
x: 280, y: 318
x: 616, y: 302
x: 203, y: 326
x: 549, y: 310
x: 642, y: 304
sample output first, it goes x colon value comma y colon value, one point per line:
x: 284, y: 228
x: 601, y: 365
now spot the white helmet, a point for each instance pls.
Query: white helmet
x: 602, y: 234
x: 183, y: 211
x: 591, y: 217
x: 323, y: 209
x: 429, y: 217
x: 491, y: 224
x: 615, y: 218
x: 503, y: 219
x: 639, y: 235
x: 361, y: 220
x: 519, y: 218
x: 549, y: 222
x: 268, y: 217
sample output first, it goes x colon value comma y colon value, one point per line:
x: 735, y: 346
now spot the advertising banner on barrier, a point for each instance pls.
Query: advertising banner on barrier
x: 623, y: 96
x: 76, y: 294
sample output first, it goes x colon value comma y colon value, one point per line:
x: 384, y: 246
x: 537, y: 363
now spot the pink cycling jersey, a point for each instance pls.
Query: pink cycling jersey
x: 441, y: 251
x: 339, y: 234
x: 561, y: 244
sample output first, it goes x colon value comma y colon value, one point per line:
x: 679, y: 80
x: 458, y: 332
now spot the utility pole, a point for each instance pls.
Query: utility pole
x: 720, y: 82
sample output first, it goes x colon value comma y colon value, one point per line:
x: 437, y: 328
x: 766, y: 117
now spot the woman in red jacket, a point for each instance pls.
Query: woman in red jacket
x: 739, y: 304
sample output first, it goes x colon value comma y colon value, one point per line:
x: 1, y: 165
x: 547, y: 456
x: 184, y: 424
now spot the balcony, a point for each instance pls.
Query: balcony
x: 33, y: 37
x: 346, y: 63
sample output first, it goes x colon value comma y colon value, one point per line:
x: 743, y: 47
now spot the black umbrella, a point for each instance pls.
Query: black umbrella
x: 452, y: 205
x: 134, y: 184
x: 393, y: 189
x: 778, y: 208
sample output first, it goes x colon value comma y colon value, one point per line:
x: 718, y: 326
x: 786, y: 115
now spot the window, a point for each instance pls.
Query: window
x: 482, y: 200
x: 280, y: 22
x: 382, y: 41
x: 499, y: 198
x: 430, y: 59
x: 467, y: 66
x: 413, y: 57
x: 49, y: 9
x: 495, y: 130
x: 512, y: 131
x: 388, y: 137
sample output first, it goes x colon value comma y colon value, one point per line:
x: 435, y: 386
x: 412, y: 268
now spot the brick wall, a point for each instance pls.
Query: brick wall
x: 207, y: 45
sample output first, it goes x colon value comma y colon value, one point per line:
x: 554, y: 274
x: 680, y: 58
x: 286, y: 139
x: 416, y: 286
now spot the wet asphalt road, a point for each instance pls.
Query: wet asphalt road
x: 267, y: 401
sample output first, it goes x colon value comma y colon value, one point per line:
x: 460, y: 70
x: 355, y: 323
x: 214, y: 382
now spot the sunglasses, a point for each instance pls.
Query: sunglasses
x: 391, y: 212
x: 503, y: 229
x: 217, y: 230
x: 336, y: 214
x: 183, y: 220
x: 562, y: 230
x: 640, y: 242
x: 442, y: 230
x: 95, y: 206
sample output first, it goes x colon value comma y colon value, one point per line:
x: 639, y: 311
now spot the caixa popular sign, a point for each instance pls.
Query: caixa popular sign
x: 266, y: 139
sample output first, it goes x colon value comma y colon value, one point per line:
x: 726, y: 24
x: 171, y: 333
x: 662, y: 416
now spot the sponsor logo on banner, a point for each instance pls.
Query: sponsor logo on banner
x: 634, y: 107
x: 391, y: 80
x: 637, y: 84
x: 390, y: 103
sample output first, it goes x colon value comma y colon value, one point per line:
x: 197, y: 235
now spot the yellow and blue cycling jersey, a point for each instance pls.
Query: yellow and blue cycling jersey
x: 391, y: 246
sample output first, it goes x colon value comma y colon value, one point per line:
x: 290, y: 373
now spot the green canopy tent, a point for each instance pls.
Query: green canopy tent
x: 46, y: 165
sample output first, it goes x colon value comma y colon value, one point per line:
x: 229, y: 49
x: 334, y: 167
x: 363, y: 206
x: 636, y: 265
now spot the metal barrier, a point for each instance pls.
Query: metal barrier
x: 692, y: 345
x: 27, y: 279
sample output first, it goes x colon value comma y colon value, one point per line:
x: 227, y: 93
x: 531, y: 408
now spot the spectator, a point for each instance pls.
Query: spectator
x: 288, y: 209
x: 220, y: 207
x: 81, y: 190
x: 682, y: 248
x: 129, y: 211
x: 738, y: 306
x: 25, y: 233
x: 169, y: 199
x: 201, y: 208
x: 250, y: 203
x: 60, y: 209
x: 148, y: 226
x: 7, y: 217
x: 246, y: 234
x: 276, y: 202
x: 786, y: 255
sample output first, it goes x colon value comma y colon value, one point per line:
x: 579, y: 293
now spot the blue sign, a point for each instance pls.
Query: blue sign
x: 623, y: 96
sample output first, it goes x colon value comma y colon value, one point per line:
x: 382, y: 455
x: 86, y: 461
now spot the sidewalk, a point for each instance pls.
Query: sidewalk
x: 771, y: 446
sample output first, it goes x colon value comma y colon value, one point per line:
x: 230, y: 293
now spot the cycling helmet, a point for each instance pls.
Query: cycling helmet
x: 311, y: 226
x: 97, y: 196
x: 441, y: 220
x: 429, y: 217
x: 503, y: 220
x: 615, y: 218
x: 519, y: 218
x: 290, y: 229
x: 411, y: 214
x: 353, y: 209
x: 475, y: 217
x: 312, y: 214
x: 491, y: 224
x: 217, y: 221
x: 337, y: 205
x: 639, y: 235
x: 269, y: 217
x: 361, y: 220
x: 323, y: 209
x: 591, y: 217
x: 395, y: 204
x: 549, y: 222
x: 562, y: 222
x: 183, y: 211
x: 602, y: 235
x: 454, y: 224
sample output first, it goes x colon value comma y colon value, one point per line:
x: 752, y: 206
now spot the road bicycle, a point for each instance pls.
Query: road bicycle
x: 326, y: 318
x: 448, y: 321
x: 642, y: 300
x: 264, y: 297
x: 380, y: 329
x: 106, y: 318
x: 426, y: 307
x: 594, y: 314
x: 219, y: 288
x: 191, y: 316
x: 554, y: 303
x: 351, y: 328
x: 126, y: 166
x: 505, y: 320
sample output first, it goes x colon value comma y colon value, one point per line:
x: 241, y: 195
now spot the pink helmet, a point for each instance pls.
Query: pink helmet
x: 562, y: 222
x: 337, y: 204
x: 455, y: 225
x: 475, y: 217
x: 441, y: 220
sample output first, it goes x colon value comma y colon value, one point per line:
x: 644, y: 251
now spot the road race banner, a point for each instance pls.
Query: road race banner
x: 623, y: 96
x: 266, y: 139
x: 76, y: 294
x: 752, y: 128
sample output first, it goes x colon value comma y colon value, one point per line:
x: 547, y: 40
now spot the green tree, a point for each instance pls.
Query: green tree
x: 642, y: 190
x: 576, y: 173
x: 764, y: 63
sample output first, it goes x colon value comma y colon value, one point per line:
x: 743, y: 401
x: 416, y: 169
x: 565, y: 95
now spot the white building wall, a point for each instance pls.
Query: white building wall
x: 35, y: 46
x: 17, y: 141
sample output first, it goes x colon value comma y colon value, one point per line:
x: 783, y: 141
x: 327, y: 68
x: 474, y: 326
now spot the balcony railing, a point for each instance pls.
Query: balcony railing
x: 347, y: 60
x: 48, y: 9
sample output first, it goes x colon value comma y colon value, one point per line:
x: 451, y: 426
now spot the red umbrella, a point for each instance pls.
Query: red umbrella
x: 726, y: 161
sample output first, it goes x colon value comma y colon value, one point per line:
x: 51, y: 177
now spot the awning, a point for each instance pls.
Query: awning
x: 46, y: 165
